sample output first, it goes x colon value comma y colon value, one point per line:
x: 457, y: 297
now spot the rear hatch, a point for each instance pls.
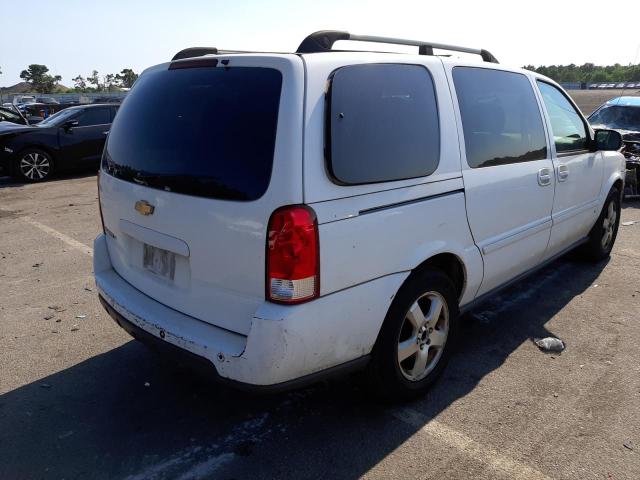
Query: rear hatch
x: 202, y: 151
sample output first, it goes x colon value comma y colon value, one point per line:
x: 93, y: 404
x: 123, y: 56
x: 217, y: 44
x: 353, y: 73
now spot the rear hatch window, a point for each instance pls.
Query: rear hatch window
x: 208, y: 131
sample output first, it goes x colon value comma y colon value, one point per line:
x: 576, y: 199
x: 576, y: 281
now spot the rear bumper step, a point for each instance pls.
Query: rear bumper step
x: 208, y: 369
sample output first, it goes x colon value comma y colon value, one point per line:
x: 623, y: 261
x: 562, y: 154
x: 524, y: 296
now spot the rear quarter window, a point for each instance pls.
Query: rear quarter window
x: 382, y: 124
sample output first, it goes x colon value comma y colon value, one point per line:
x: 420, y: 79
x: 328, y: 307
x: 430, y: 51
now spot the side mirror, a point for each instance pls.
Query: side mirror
x: 607, y: 140
x: 69, y: 124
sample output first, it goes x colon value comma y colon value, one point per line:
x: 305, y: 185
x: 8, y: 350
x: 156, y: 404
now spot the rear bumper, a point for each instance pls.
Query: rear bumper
x: 286, y: 345
x: 208, y: 369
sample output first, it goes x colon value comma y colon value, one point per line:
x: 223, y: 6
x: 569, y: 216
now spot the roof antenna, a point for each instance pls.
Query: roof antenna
x: 627, y: 83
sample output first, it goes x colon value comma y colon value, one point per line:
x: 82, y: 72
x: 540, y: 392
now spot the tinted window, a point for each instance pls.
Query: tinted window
x: 94, y: 116
x: 383, y: 123
x: 569, y: 132
x: 206, y: 131
x: 500, y: 117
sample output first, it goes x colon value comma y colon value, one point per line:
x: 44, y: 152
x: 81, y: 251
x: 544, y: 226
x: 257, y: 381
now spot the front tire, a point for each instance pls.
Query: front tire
x: 33, y: 165
x: 416, y: 338
x: 604, y: 232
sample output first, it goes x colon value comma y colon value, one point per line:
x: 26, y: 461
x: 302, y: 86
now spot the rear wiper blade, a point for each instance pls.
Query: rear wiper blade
x: 139, y: 181
x: 207, y: 186
x: 161, y: 180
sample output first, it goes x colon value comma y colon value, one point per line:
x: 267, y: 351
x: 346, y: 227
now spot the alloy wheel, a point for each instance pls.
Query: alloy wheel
x: 423, y: 336
x: 35, y: 166
x: 609, y: 225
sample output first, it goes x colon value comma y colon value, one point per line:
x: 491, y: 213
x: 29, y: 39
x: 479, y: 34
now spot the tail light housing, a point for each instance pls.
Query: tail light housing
x: 100, y: 203
x: 293, y: 255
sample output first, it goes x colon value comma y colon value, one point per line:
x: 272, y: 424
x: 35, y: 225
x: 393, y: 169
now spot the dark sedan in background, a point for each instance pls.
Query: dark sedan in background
x: 72, y: 138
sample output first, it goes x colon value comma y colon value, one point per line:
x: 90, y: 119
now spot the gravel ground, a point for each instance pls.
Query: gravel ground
x: 589, y: 100
x: 79, y: 399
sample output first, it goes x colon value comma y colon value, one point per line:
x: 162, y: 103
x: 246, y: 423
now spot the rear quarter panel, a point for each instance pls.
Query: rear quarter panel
x: 370, y: 231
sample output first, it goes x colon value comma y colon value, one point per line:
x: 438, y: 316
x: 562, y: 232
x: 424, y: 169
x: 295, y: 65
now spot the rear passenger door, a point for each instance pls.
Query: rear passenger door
x: 578, y: 170
x: 507, y: 170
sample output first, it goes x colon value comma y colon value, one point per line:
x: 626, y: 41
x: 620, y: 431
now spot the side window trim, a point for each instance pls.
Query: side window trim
x: 547, y: 117
x: 327, y: 127
x: 94, y: 125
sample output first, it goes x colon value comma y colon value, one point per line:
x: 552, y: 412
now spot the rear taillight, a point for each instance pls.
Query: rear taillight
x: 100, y: 203
x: 293, y: 255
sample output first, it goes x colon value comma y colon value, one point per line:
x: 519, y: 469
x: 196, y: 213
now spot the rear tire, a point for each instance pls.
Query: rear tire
x: 33, y: 165
x: 416, y: 338
x: 603, y: 234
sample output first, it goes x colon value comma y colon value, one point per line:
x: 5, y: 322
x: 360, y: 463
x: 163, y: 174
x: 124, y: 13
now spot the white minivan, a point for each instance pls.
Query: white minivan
x: 281, y: 217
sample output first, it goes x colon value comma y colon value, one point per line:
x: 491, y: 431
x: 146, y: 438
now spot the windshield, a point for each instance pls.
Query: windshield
x: 204, y: 131
x: 58, y: 118
x: 617, y: 117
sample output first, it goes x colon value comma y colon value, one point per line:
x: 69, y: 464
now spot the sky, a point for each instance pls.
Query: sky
x: 75, y: 37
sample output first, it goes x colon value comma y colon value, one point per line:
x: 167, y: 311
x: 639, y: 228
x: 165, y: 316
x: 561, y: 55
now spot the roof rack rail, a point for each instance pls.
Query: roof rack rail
x: 323, y: 41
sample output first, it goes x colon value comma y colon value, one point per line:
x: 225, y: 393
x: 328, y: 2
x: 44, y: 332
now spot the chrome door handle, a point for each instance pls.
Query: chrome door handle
x: 563, y: 173
x: 544, y: 177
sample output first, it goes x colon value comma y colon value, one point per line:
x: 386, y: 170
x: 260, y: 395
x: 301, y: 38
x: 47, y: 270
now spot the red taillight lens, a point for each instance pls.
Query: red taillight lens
x: 293, y: 255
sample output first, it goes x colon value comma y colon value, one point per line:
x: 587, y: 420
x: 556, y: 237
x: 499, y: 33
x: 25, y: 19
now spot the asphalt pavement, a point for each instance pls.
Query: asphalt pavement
x: 80, y: 399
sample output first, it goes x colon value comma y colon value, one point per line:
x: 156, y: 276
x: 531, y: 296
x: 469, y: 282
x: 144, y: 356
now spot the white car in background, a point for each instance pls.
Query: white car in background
x: 283, y: 217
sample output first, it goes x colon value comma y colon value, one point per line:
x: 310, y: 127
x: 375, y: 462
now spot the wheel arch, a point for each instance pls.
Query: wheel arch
x: 619, y: 184
x: 36, y: 146
x: 451, y: 265
x: 615, y: 170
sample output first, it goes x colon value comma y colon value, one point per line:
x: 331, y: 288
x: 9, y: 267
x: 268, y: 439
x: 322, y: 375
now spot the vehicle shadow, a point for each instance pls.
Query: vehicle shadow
x: 11, y: 182
x: 125, y: 414
x: 631, y: 202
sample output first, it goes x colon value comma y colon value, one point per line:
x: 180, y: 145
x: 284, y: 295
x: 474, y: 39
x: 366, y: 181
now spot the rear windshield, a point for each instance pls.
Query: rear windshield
x: 207, y: 131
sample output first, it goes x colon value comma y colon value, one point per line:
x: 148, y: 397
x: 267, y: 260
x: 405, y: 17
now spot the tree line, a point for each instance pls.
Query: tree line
x: 41, y: 81
x: 106, y: 83
x: 589, y: 73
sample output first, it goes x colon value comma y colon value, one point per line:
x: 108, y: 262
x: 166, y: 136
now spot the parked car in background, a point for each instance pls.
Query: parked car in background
x: 623, y: 114
x: 24, y: 99
x: 283, y: 217
x: 71, y: 138
x: 47, y: 100
x: 107, y: 99
x: 21, y: 116
x: 36, y: 112
x: 13, y: 116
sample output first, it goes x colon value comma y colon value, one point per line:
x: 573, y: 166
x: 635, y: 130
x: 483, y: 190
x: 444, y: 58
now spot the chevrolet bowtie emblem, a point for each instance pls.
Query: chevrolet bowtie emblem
x: 144, y: 208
